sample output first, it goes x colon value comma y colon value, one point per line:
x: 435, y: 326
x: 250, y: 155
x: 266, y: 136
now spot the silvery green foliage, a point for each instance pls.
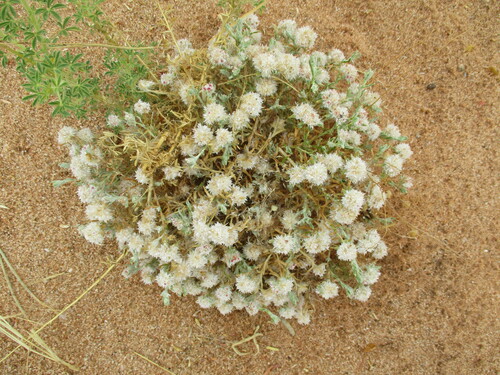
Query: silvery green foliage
x: 268, y: 194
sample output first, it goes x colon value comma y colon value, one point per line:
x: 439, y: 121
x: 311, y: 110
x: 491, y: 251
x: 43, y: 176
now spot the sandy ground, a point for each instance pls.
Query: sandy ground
x: 434, y: 311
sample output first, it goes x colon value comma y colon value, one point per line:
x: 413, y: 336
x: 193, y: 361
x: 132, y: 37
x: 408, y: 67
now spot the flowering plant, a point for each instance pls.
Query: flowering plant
x: 250, y: 174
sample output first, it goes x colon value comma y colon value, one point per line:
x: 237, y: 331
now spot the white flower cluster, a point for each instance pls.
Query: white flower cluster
x: 261, y: 190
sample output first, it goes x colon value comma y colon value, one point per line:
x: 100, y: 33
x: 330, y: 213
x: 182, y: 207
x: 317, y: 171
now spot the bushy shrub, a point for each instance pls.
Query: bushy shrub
x: 251, y: 174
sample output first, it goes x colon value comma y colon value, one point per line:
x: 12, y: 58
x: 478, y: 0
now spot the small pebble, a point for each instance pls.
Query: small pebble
x: 431, y: 86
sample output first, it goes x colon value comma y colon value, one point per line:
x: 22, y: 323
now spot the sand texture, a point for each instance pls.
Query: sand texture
x: 435, y: 309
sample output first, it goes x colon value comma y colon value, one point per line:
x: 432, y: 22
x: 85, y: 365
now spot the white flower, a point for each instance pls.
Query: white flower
x: 171, y: 173
x: 239, y: 119
x: 166, y: 79
x: 327, y: 289
x: 146, y: 227
x: 246, y: 160
x: 344, y: 216
x: 373, y: 131
x: 353, y: 200
x: 246, y: 283
x: 287, y: 28
x: 135, y: 243
x: 362, y: 293
x: 372, y: 98
x: 288, y: 66
x: 316, y: 174
x: 336, y: 56
x: 319, y: 269
x: 289, y: 219
x: 217, y: 56
x: 210, y: 280
x: 85, y: 135
x: 380, y: 251
x: 87, y: 193
x: 266, y: 86
x: 297, y: 175
x: 239, y: 301
x: 142, y: 107
x: 66, y: 135
x: 285, y: 244
x: 99, y: 212
x: 93, y: 233
x: 123, y: 236
x: 318, y: 242
x: 185, y: 93
x: 303, y: 317
x: 203, y: 135
x: 376, y: 198
x: 223, y: 138
x: 320, y: 58
x: 225, y: 308
x: 252, y: 251
x: 404, y: 150
x: 340, y: 113
x: 251, y: 103
x: 165, y: 279
x: 358, y: 231
x: 201, y: 232
x: 349, y: 136
x: 90, y: 155
x: 223, y: 293
x: 347, y: 251
x: 219, y: 184
x: 288, y: 312
x: 213, y: 113
x: 408, y: 184
x: 79, y: 168
x: 305, y: 37
x: 238, y: 196
x: 205, y: 302
x: 185, y: 47
x: 330, y: 99
x: 371, y: 274
x: 196, y: 259
x: 129, y: 118
x: 145, y: 85
x: 393, y: 165
x: 282, y: 285
x: 349, y: 71
x: 265, y: 63
x: 113, y: 121
x: 369, y: 243
x: 141, y: 177
x: 307, y: 114
x: 252, y: 21
x: 356, y: 169
x: 221, y: 234
x: 392, y: 131
x: 333, y: 161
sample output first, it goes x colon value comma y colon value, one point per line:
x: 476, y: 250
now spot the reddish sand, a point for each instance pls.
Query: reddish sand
x: 435, y: 308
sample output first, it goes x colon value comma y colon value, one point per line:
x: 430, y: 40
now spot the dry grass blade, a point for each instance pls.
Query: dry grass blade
x: 253, y: 338
x: 32, y: 343
x: 13, y: 270
x: 153, y: 363
x: 34, y: 338
x: 11, y: 290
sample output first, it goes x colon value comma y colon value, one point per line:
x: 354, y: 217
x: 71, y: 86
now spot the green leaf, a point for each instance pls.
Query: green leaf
x: 58, y: 183
x: 288, y: 326
x: 275, y: 318
x: 166, y: 297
